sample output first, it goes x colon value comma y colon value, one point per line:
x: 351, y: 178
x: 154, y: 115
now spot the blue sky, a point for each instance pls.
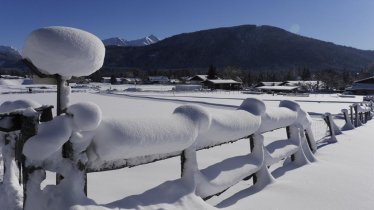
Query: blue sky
x: 345, y: 22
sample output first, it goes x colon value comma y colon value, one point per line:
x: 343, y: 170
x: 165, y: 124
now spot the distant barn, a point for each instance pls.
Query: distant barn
x: 362, y: 87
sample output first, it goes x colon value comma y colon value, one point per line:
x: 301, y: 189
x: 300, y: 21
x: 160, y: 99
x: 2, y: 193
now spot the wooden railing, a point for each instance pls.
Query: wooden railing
x: 299, y: 145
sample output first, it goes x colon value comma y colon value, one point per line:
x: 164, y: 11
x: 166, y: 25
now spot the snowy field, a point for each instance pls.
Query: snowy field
x: 341, y: 178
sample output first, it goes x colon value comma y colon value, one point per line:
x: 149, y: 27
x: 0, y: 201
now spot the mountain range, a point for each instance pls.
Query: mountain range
x: 249, y: 47
x: 9, y: 57
x: 117, y: 41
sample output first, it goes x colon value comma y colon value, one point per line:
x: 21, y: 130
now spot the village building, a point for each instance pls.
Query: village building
x: 225, y: 84
x: 289, y: 86
x: 362, y: 87
x: 197, y: 79
x: 158, y: 79
x: 105, y: 79
x: 261, y: 84
x: 131, y: 80
x: 278, y: 88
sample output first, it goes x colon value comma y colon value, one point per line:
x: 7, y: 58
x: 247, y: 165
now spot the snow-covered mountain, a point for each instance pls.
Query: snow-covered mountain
x: 144, y: 41
x: 9, y: 50
x: 117, y: 41
x: 9, y: 57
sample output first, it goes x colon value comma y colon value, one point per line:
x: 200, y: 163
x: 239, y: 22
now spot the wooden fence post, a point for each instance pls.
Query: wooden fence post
x: 29, y: 128
x: 309, y: 141
x: 252, y: 146
x: 183, y: 161
x: 356, y: 115
x: 328, y: 120
x: 288, y: 131
x: 346, y: 119
x: 351, y: 108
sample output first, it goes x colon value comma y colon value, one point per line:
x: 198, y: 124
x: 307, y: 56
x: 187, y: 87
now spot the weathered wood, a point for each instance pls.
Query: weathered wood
x: 351, y: 108
x: 288, y: 131
x: 29, y: 128
x: 183, y: 161
x: 252, y: 146
x: 308, y: 140
x: 45, y: 113
x: 346, y: 118
x: 15, y: 119
x: 356, y: 115
x: 327, y: 120
x: 67, y: 148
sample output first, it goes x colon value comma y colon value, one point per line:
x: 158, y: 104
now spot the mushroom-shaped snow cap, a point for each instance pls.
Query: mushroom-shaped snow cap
x: 254, y: 106
x: 86, y: 116
x: 64, y: 51
x: 290, y: 104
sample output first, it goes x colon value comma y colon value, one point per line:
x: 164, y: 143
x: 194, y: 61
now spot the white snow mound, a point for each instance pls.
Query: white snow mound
x: 128, y: 138
x: 86, y: 116
x: 197, y: 114
x: 294, y: 106
x: 64, y: 51
x: 9, y: 106
x: 50, y: 138
x: 254, y: 106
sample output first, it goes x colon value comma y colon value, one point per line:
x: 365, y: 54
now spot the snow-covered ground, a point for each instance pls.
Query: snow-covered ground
x: 340, y: 179
x: 123, y: 128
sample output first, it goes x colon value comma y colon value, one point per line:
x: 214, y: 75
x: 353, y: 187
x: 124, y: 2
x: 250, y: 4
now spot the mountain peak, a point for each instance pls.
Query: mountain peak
x: 117, y: 41
x: 9, y: 50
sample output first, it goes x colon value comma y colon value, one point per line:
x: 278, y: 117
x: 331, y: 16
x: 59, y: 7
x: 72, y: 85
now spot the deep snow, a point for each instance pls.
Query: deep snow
x: 343, y: 167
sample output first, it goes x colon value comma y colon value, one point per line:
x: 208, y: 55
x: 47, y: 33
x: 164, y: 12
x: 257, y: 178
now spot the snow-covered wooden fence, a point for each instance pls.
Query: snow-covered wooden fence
x: 117, y: 144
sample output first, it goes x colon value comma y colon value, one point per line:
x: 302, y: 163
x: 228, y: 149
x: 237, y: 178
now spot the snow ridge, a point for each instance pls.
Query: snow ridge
x: 9, y: 50
x: 117, y: 41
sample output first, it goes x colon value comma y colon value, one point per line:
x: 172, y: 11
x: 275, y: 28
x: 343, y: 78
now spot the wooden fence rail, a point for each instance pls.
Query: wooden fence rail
x: 293, y: 147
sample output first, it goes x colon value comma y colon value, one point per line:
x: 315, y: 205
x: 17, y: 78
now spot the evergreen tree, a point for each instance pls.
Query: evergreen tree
x: 305, y: 74
x: 113, y: 80
x: 212, y: 72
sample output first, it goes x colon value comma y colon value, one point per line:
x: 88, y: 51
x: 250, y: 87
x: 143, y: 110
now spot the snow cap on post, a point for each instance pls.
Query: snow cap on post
x: 86, y: 116
x: 9, y: 106
x: 290, y: 104
x: 197, y: 114
x: 254, y: 106
x: 64, y: 51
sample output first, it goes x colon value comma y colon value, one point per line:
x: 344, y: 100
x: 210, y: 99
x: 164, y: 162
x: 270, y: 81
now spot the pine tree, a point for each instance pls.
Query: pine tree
x: 212, y: 72
x: 113, y: 80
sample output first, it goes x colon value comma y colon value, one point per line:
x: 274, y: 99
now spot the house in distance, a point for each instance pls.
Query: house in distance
x: 224, y: 84
x: 362, y: 87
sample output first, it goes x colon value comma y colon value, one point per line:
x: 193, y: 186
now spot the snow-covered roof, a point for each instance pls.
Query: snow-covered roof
x: 369, y: 80
x: 277, y: 87
x: 271, y: 83
x: 223, y: 81
x: 361, y: 86
x: 296, y: 83
x: 132, y: 79
x: 11, y: 77
x: 201, y: 77
x: 158, y: 78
